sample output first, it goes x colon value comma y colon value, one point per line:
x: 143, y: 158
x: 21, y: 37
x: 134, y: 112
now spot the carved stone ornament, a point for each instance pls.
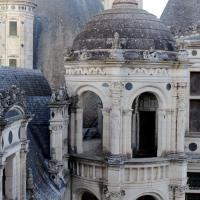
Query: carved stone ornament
x: 60, y: 95
x: 55, y: 168
x: 10, y: 97
x: 85, y: 71
x: 185, y: 30
x: 183, y: 55
x: 178, y: 188
x: 85, y: 55
x: 68, y: 55
x: 115, y: 195
x: 30, y: 185
x: 116, y: 42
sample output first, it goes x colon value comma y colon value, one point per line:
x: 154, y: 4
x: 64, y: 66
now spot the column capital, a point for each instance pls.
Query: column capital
x: 178, y: 189
x: 113, y: 195
x: 127, y: 111
x: 106, y: 110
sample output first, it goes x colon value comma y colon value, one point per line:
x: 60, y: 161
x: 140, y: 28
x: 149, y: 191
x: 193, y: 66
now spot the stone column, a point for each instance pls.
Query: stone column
x: 79, y: 130
x: 106, y: 129
x: 161, y: 132
x: 168, y: 130
x: 127, y: 134
x: 1, y: 175
x: 10, y: 172
x: 177, y: 192
x: 115, y: 127
x: 72, y: 130
x: 2, y: 127
x: 23, y: 157
x: 65, y: 136
x: 115, y: 118
x: 181, y: 117
x: 174, y: 119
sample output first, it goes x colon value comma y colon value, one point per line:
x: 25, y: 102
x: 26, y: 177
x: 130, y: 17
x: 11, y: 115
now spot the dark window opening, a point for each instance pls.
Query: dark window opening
x: 4, y: 183
x: 144, y: 126
x: 13, y: 29
x: 193, y: 180
x: 92, y: 123
x: 12, y: 62
x: 147, y: 197
x: 147, y: 140
x: 195, y: 84
x: 194, y: 116
x: 88, y: 196
x: 192, y: 196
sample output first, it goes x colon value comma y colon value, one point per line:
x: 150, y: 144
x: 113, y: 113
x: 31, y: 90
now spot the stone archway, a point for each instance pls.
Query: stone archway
x: 88, y: 196
x: 92, y: 122
x: 147, y: 197
x: 144, y: 126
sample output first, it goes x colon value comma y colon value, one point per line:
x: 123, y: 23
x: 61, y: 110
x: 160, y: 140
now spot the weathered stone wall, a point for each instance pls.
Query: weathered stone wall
x: 57, y: 22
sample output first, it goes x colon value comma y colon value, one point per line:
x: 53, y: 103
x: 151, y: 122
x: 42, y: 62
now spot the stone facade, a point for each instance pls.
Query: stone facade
x: 133, y: 90
x: 16, y: 33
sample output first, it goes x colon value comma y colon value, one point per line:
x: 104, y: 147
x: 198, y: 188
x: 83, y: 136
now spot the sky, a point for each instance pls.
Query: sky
x: 155, y: 7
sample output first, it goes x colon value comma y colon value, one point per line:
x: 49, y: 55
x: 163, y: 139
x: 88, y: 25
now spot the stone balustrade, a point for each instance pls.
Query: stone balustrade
x: 149, y: 172
x: 135, y: 171
x: 90, y: 170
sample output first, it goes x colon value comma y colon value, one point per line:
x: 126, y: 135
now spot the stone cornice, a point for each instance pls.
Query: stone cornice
x: 19, y: 2
x: 128, y: 64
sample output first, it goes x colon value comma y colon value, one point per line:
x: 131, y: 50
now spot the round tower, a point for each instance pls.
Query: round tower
x: 16, y: 33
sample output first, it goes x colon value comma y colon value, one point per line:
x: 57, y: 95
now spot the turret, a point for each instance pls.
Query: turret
x: 16, y: 33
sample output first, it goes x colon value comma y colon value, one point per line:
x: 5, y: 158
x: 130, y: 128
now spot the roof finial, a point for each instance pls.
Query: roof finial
x: 125, y: 4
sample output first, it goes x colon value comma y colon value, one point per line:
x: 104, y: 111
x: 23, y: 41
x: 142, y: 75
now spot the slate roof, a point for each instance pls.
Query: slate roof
x: 140, y: 29
x: 31, y: 81
x: 38, y: 94
x: 181, y: 12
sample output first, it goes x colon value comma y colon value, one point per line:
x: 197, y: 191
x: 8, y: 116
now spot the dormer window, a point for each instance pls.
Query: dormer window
x: 12, y: 62
x: 13, y: 28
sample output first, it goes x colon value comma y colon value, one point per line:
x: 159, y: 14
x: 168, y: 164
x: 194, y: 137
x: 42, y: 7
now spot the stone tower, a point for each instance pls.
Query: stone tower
x: 108, y: 4
x: 16, y: 33
x: 122, y: 58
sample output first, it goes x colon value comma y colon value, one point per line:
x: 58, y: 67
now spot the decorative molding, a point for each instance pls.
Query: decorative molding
x: 10, y: 97
x: 59, y: 96
x: 149, y: 71
x: 178, y: 188
x: 85, y: 71
x: 116, y: 42
x: 117, y: 195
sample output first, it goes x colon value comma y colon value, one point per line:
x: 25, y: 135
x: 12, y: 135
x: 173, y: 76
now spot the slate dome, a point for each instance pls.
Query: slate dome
x: 32, y: 82
x: 136, y: 28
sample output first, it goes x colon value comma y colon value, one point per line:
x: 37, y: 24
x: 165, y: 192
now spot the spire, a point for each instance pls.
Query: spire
x: 125, y: 4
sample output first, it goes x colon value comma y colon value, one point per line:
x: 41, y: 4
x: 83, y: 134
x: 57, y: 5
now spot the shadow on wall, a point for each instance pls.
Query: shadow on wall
x: 57, y: 22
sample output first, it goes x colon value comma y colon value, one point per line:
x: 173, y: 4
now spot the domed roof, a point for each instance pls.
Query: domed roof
x: 32, y: 82
x: 134, y: 28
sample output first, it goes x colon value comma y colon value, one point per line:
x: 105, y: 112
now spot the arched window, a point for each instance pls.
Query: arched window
x: 92, y: 122
x: 88, y: 196
x: 144, y: 126
x: 14, y: 114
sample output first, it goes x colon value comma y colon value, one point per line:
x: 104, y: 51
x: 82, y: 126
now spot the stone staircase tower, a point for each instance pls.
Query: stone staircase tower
x: 16, y: 33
